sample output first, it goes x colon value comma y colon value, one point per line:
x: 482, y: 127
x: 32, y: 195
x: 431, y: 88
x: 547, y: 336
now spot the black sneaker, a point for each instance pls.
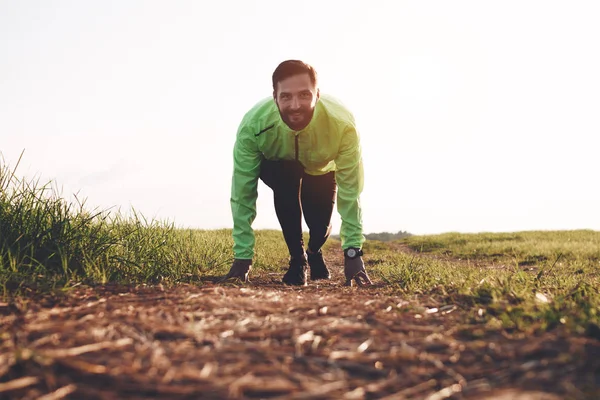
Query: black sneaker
x: 296, y: 274
x: 318, y: 268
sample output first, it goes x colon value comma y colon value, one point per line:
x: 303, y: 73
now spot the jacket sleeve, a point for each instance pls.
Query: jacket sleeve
x: 350, y: 178
x: 246, y: 170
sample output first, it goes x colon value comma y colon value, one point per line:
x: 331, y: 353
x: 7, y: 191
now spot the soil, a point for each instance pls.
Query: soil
x: 267, y: 340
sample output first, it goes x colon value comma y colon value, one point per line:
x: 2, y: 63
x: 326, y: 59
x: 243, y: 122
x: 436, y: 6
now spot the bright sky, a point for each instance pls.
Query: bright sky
x: 474, y: 115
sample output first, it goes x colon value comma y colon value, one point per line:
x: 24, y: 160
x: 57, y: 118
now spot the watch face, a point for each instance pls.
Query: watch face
x: 351, y: 253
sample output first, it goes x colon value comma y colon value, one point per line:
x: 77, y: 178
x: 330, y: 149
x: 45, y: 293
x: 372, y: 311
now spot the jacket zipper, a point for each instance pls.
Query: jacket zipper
x: 296, y: 147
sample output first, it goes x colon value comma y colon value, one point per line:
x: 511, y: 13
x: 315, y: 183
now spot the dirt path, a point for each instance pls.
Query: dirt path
x: 265, y: 340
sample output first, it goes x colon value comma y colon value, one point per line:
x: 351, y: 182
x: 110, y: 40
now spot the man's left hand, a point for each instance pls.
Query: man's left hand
x: 354, y: 268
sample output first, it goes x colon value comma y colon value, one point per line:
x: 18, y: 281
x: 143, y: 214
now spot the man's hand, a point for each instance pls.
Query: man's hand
x: 354, y: 268
x: 239, y: 269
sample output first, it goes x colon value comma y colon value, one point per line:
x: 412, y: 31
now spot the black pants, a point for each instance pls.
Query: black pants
x: 295, y: 193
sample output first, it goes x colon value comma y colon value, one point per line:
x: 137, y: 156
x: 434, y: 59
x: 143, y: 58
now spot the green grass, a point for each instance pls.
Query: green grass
x: 47, y: 242
x: 521, y: 247
x: 523, y: 281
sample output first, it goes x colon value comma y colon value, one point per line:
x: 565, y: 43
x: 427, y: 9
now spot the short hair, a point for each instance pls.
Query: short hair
x: 293, y: 67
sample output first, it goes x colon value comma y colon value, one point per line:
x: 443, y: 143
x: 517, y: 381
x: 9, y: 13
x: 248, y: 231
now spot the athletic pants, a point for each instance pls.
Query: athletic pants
x: 296, y: 192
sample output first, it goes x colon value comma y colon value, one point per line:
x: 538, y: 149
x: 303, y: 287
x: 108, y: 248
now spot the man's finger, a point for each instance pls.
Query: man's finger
x: 363, y: 279
x: 366, y: 278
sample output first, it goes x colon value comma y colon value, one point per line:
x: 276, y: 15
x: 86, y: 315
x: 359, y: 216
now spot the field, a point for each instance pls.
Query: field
x: 97, y: 305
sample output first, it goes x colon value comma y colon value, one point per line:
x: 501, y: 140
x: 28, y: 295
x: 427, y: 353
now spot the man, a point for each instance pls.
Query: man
x: 305, y: 147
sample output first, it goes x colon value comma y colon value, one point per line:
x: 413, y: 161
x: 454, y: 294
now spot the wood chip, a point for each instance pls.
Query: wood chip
x: 411, y: 391
x: 88, y: 348
x: 18, y: 383
x: 445, y: 392
x: 59, y: 393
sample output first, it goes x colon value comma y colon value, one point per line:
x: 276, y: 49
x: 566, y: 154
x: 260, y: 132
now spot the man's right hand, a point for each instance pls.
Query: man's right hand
x: 239, y: 269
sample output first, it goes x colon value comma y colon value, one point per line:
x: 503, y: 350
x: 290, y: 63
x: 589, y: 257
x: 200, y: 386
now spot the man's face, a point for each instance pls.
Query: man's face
x: 296, y: 98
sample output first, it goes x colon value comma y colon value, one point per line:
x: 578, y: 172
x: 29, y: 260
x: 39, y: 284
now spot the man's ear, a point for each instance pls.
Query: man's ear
x: 318, y: 94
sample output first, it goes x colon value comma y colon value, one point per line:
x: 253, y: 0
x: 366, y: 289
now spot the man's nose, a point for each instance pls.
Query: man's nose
x: 295, y: 103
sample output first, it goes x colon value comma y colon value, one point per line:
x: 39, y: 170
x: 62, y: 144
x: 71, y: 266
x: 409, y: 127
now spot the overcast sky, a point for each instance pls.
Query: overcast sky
x: 474, y: 116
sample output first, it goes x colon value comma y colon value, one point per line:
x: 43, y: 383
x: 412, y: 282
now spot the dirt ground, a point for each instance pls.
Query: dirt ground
x: 266, y: 340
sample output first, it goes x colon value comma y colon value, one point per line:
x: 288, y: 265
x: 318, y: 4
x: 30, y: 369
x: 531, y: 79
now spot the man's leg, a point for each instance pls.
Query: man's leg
x: 318, y: 198
x: 284, y: 177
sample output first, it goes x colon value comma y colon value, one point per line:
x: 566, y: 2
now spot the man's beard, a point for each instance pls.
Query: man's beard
x: 299, y: 123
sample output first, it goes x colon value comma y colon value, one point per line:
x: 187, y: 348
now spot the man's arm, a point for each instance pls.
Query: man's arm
x: 350, y: 178
x: 246, y: 170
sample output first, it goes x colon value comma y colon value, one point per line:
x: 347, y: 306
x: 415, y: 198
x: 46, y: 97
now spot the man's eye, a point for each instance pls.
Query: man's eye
x: 305, y: 95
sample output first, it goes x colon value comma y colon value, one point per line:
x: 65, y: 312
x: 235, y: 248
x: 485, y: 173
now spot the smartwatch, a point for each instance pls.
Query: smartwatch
x: 353, y: 252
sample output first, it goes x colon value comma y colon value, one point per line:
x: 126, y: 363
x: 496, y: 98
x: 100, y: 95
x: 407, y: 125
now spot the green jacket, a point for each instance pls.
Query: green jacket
x: 330, y: 142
